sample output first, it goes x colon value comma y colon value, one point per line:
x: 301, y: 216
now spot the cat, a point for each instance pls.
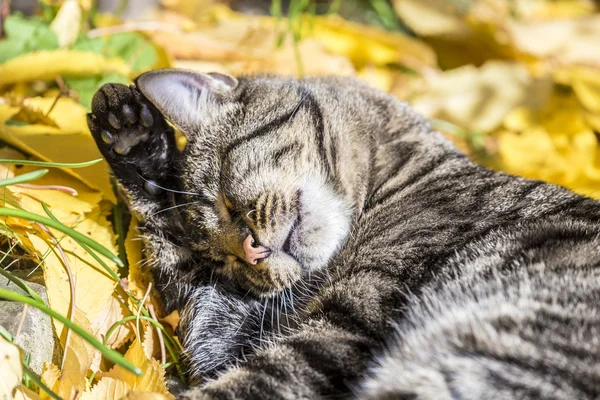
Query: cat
x: 322, y: 240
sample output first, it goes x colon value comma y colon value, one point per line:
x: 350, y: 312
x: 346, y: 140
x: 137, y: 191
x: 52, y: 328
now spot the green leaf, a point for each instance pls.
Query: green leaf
x: 133, y: 47
x: 24, y: 35
x: 86, y: 87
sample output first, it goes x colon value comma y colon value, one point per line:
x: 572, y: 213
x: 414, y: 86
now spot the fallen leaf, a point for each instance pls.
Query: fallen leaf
x: 67, y: 22
x: 107, y: 389
x: 135, y: 395
x: 11, y: 371
x: 71, y: 141
x: 478, y: 99
x: 152, y: 378
x: 25, y: 68
x: 24, y: 393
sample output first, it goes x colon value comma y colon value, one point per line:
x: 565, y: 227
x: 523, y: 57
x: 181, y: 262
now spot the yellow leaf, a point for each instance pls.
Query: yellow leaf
x: 78, y: 357
x: 11, y: 371
x: 92, y: 286
x: 135, y: 395
x: 26, y: 67
x: 24, y: 393
x: 107, y: 389
x: 138, y: 280
x: 153, y: 375
x: 432, y: 17
x: 554, y: 144
x: 563, y: 41
x: 67, y: 113
x: 66, y: 23
x: 71, y: 142
x: 479, y: 98
x: 50, y: 375
x: 172, y: 319
x: 365, y: 45
x: 6, y: 113
x: 114, y: 310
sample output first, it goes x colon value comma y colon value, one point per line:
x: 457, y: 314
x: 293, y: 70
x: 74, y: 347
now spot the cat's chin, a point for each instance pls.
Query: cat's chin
x: 279, y: 272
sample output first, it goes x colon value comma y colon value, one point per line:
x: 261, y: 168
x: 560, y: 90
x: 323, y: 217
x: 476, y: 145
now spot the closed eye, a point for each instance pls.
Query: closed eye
x: 234, y: 213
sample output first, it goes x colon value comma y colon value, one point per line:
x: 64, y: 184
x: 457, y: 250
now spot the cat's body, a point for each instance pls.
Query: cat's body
x: 435, y: 278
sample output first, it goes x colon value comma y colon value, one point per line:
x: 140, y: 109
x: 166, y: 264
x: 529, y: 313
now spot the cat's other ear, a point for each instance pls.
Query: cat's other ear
x: 184, y: 97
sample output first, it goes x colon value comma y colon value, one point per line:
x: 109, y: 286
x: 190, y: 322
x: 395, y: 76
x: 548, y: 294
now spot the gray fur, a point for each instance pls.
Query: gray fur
x: 415, y: 273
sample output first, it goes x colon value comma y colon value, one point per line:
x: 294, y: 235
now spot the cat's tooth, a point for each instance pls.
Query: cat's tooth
x: 129, y: 113
x: 107, y: 137
x: 146, y: 117
x: 122, y: 148
x: 114, y: 121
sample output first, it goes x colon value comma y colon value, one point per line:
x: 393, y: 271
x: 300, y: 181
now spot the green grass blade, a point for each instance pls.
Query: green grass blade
x: 112, y: 273
x: 6, y: 334
x: 20, y: 283
x: 9, y: 212
x: 50, y: 164
x: 30, y: 176
x: 110, y: 354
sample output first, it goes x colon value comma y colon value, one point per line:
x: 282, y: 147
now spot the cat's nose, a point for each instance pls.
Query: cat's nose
x: 254, y: 253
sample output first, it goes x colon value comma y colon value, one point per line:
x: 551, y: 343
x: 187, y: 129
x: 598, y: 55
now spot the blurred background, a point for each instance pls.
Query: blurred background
x: 515, y: 83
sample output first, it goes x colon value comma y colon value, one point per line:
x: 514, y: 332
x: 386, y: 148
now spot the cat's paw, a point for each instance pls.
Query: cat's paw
x: 132, y: 136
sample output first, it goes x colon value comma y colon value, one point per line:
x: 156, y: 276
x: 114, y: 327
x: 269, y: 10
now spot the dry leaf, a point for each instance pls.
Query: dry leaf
x: 71, y: 141
x: 478, y: 99
x: 50, y: 374
x: 572, y: 41
x: 152, y: 378
x: 24, y: 393
x: 11, y: 371
x: 67, y: 22
x: 135, y: 395
x: 107, y: 389
x: 26, y: 68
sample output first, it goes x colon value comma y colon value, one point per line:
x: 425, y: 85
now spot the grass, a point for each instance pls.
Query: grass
x: 95, y: 250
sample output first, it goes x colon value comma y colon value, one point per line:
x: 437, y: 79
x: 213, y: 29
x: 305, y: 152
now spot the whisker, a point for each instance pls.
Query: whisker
x: 176, y: 206
x: 262, y: 320
x: 167, y: 189
x: 287, y: 321
x: 272, y: 310
x: 278, y: 311
x: 292, y: 299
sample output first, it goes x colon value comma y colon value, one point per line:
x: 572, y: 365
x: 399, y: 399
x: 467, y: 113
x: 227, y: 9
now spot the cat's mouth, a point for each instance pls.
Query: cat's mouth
x: 287, y: 245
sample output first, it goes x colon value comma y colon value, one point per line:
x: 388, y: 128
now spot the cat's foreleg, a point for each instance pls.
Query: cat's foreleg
x: 218, y: 330
x: 140, y: 148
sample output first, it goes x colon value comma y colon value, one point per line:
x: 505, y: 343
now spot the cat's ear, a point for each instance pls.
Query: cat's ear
x: 184, y: 97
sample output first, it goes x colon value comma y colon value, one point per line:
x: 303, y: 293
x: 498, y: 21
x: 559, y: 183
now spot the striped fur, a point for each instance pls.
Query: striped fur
x: 414, y: 273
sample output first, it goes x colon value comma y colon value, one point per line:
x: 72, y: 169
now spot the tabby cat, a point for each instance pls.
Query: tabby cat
x: 322, y: 241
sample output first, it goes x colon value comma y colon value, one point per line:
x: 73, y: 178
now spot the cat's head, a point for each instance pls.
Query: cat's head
x: 272, y: 183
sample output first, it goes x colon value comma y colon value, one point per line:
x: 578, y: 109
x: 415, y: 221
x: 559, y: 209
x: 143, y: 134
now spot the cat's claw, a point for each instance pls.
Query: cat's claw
x: 132, y: 136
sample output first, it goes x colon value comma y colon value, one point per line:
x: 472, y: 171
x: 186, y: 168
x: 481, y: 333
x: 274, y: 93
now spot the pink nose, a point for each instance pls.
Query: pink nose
x: 253, y: 254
